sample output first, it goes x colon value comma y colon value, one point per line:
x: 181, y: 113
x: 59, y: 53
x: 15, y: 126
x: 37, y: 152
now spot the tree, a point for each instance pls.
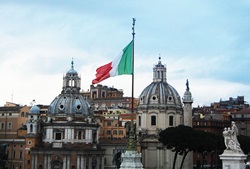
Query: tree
x: 117, y: 159
x: 183, y: 139
x: 179, y: 139
x: 3, y: 156
x: 244, y: 143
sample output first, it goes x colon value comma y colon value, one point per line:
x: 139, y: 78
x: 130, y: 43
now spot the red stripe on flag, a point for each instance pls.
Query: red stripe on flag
x: 102, y: 73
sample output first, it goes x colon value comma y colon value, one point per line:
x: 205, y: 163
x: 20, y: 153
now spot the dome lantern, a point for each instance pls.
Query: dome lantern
x: 159, y: 72
x: 70, y: 101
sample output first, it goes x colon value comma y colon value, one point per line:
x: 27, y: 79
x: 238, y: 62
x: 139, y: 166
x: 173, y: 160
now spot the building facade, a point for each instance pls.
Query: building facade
x: 12, y: 131
x: 67, y: 137
x: 159, y: 107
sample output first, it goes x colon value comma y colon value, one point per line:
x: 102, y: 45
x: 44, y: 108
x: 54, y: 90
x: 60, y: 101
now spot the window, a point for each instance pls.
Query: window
x: 2, y: 114
x: 29, y: 143
x: 10, y: 114
x: 22, y: 114
x: 108, y: 132
x: 2, y: 125
x: 139, y: 121
x: 109, y: 123
x: 153, y: 120
x: 9, y: 125
x: 171, y: 120
x: 20, y: 154
x: 120, y: 132
x: 31, y: 128
x: 14, y: 154
x: 115, y: 132
x: 103, y: 94
x: 58, y: 136
x: 80, y: 135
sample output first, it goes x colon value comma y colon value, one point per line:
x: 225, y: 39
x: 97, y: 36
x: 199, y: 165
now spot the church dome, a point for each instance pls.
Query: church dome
x: 34, y: 110
x: 70, y: 101
x: 159, y: 93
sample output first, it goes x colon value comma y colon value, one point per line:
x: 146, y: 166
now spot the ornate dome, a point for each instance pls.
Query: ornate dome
x: 70, y: 101
x: 34, y: 110
x: 159, y: 93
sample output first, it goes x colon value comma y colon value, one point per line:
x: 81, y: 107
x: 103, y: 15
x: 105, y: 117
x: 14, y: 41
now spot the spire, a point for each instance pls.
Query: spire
x: 72, y: 64
x: 159, y: 62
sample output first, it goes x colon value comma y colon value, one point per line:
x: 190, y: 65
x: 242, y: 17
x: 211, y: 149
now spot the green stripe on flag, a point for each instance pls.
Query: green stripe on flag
x: 125, y: 65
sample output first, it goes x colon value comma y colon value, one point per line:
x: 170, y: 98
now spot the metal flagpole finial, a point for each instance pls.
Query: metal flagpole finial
x: 133, y: 28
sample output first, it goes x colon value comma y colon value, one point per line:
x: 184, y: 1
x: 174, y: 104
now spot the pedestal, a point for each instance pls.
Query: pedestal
x: 131, y: 160
x: 233, y: 160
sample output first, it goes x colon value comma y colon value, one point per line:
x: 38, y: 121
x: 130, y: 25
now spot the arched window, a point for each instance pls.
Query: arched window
x: 153, y: 120
x: 31, y: 128
x: 94, y: 95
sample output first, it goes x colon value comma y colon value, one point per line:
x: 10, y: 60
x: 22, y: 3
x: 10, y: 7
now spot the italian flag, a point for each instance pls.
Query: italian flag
x: 122, y: 64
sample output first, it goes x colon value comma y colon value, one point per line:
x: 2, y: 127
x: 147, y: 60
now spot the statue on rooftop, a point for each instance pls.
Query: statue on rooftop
x: 187, y: 84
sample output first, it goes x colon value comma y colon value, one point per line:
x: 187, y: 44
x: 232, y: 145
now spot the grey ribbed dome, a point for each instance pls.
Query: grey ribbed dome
x: 160, y: 93
x: 70, y: 101
x: 69, y: 104
x: 34, y: 110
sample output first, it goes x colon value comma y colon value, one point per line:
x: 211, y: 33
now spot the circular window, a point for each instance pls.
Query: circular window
x: 154, y: 98
x: 29, y: 142
x: 78, y: 107
x: 61, y: 107
x: 170, y: 98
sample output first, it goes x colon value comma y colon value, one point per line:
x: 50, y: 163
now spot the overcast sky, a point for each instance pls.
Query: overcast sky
x: 205, y: 41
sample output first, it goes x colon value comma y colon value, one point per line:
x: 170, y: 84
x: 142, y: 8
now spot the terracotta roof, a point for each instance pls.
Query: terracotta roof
x: 123, y: 141
x: 243, y: 111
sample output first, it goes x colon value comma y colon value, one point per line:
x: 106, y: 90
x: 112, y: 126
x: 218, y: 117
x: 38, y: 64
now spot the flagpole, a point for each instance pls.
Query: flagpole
x: 131, y: 144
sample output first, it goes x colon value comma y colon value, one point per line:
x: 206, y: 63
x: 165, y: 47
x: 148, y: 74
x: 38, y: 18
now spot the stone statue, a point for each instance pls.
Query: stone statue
x: 187, y: 84
x: 230, y: 138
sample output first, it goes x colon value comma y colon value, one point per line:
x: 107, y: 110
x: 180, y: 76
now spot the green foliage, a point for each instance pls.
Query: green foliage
x: 244, y: 143
x: 117, y: 159
x: 3, y: 155
x: 182, y: 139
